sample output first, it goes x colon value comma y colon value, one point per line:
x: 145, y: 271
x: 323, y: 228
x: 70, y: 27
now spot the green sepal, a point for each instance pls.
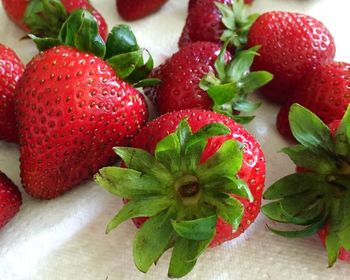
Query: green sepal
x: 152, y: 240
x: 81, y: 31
x: 44, y: 43
x: 45, y: 17
x: 342, y: 137
x: 273, y: 211
x: 147, y: 83
x: 199, y: 229
x: 147, y: 207
x: 168, y: 151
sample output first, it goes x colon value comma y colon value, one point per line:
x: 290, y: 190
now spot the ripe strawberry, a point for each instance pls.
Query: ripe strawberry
x: 49, y: 15
x: 134, y: 9
x: 72, y: 108
x: 189, y: 81
x: 216, y: 21
x: 10, y: 199
x: 324, y: 91
x: 319, y: 198
x: 11, y: 69
x: 292, y: 45
x: 181, y: 180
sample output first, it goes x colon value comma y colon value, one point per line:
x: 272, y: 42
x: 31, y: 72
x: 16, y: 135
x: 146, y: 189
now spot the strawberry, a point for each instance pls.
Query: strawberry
x: 199, y: 76
x: 45, y: 17
x: 11, y: 69
x: 134, y: 9
x: 292, y: 45
x: 325, y: 91
x: 182, y: 167
x: 319, y: 197
x: 10, y: 199
x: 216, y: 21
x: 72, y: 108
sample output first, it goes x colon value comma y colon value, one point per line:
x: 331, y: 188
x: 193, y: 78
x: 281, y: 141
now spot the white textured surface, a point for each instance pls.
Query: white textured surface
x: 64, y: 238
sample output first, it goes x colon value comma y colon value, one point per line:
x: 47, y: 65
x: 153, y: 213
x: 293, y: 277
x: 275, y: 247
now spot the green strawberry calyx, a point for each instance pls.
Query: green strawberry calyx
x: 232, y: 82
x: 121, y: 50
x: 236, y: 22
x: 182, y: 196
x: 320, y: 196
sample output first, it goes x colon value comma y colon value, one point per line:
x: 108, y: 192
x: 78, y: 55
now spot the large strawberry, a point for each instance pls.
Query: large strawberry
x: 72, y: 108
x: 198, y: 175
x: 135, y: 9
x: 199, y: 76
x: 217, y: 21
x: 292, y: 45
x: 319, y: 197
x: 45, y: 17
x: 324, y: 91
x: 10, y: 199
x: 11, y: 69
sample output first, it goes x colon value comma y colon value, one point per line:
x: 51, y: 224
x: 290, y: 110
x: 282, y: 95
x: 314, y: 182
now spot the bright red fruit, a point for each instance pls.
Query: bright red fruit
x: 324, y: 91
x: 72, y: 109
x: 134, y: 9
x: 16, y: 11
x: 292, y: 45
x: 11, y: 69
x: 10, y: 199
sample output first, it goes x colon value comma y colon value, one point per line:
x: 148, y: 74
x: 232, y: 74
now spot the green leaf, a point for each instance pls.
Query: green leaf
x: 45, y: 17
x: 199, y: 229
x: 128, y: 183
x: 168, y: 152
x: 320, y: 161
x: 185, y: 255
x: 274, y: 212
x: 121, y: 40
x: 342, y: 142
x: 143, y: 69
x: 81, y: 31
x: 147, y: 83
x: 242, y: 119
x: 220, y: 63
x: 44, y: 43
x: 226, y: 162
x: 333, y: 248
x: 147, y: 207
x: 309, y: 129
x: 223, y: 93
x: 228, y: 208
x: 183, y: 131
x: 344, y: 223
x: 227, y: 15
x: 246, y: 106
x: 255, y: 80
x: 152, y: 240
x: 144, y: 162
x: 125, y: 64
x: 307, y: 216
x: 295, y: 184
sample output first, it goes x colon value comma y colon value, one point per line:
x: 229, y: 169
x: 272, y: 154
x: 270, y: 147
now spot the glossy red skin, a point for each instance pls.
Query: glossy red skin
x: 192, y: 3
x: 11, y: 69
x: 10, y: 199
x: 325, y: 91
x: 180, y: 76
x: 72, y: 110
x: 16, y: 9
x: 252, y: 171
x: 292, y: 45
x: 203, y: 23
x: 135, y: 9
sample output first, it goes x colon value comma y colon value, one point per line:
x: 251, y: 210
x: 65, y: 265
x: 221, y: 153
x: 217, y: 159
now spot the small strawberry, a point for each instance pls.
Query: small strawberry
x: 45, y: 17
x: 197, y: 175
x: 198, y: 77
x: 72, y: 108
x: 216, y: 21
x: 319, y: 197
x: 11, y: 69
x: 324, y: 91
x: 10, y: 199
x: 292, y: 45
x: 135, y: 9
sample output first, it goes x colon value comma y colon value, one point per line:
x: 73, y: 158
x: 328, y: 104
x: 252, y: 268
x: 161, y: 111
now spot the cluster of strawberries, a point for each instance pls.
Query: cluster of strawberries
x: 193, y: 177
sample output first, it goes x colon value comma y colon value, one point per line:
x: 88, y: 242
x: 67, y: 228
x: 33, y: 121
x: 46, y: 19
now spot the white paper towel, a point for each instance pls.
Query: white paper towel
x: 64, y: 238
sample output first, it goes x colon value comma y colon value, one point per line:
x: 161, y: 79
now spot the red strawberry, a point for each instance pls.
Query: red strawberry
x: 319, y: 198
x: 53, y: 17
x: 134, y: 9
x: 184, y: 185
x: 205, y: 22
x: 325, y: 91
x: 11, y: 69
x: 189, y: 80
x: 192, y: 3
x: 10, y: 199
x: 292, y: 45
